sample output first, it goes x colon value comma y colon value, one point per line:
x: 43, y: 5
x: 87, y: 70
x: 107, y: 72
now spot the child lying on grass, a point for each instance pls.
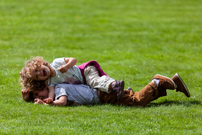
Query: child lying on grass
x: 70, y: 94
x: 37, y: 74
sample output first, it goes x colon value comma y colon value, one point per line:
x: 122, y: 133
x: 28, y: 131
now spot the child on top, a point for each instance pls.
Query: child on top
x: 38, y: 73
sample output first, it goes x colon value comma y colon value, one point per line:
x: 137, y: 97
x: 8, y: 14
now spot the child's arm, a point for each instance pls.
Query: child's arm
x: 70, y: 62
x: 62, y: 101
x: 51, y: 95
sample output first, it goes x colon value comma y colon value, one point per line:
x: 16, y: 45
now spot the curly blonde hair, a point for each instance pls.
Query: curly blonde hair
x: 25, y: 75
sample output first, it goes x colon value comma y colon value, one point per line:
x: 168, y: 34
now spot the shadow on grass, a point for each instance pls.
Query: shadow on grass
x: 169, y: 103
x: 163, y: 103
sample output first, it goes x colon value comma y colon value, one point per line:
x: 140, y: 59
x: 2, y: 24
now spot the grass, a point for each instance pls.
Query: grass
x: 132, y: 40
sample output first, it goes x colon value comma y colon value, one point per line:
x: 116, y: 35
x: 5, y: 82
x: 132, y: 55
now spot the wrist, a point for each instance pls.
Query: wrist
x: 67, y: 66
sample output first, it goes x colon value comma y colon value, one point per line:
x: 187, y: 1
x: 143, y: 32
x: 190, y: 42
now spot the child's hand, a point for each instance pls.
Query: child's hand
x: 24, y: 91
x: 62, y: 69
x: 48, y: 100
x: 25, y: 94
x: 38, y: 101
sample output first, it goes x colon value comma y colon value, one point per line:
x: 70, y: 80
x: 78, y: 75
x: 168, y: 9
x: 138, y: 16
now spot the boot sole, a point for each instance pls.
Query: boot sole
x: 182, y: 85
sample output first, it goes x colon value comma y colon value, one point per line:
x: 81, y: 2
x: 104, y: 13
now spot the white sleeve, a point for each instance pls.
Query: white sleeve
x: 58, y: 62
x: 60, y: 91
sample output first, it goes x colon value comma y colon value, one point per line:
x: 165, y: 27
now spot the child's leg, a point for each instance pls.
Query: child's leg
x: 149, y: 93
x: 95, y: 81
x: 130, y: 98
x: 103, y: 83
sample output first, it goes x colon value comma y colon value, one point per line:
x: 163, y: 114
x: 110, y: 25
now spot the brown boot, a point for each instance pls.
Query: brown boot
x: 180, y: 85
x: 164, y: 82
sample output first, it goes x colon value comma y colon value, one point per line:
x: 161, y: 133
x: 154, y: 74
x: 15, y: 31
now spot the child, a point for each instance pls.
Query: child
x: 37, y: 73
x: 68, y: 94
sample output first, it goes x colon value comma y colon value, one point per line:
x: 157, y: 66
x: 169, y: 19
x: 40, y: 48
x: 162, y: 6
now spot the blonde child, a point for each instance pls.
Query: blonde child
x: 38, y: 73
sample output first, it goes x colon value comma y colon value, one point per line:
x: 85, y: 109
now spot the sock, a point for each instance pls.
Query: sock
x: 113, y: 84
x: 156, y: 81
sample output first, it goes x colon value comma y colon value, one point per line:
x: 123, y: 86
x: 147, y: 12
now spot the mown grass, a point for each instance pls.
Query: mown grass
x: 132, y: 40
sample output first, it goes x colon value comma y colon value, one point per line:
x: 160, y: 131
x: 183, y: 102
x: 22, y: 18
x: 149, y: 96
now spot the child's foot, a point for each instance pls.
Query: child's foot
x: 180, y: 85
x: 118, y: 87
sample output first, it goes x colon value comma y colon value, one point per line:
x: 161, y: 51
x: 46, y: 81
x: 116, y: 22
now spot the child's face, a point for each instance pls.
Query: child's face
x: 41, y: 73
x: 43, y: 94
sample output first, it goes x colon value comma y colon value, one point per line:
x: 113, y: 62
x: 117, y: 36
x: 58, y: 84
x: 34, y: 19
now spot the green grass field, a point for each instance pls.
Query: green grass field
x: 131, y: 39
